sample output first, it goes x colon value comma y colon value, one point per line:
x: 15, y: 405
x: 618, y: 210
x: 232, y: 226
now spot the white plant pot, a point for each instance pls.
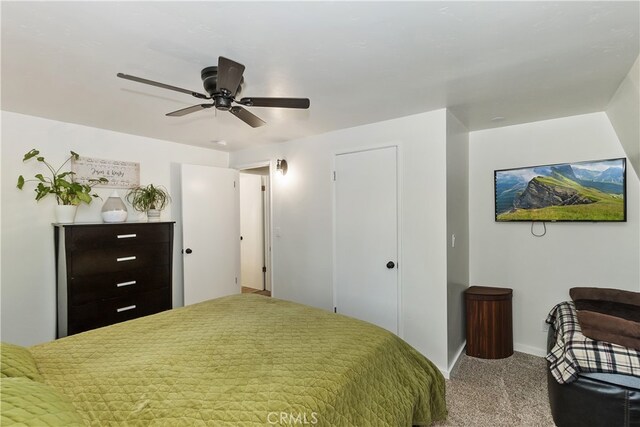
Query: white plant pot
x: 153, y: 215
x: 66, y: 214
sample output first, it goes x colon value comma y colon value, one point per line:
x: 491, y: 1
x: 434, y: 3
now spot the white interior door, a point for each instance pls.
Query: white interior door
x: 210, y: 232
x: 252, y: 231
x: 366, y: 236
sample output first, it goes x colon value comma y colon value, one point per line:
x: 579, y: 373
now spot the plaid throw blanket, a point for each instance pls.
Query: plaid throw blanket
x: 574, y: 353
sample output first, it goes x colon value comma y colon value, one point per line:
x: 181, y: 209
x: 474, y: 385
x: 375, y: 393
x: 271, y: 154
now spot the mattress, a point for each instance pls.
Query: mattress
x: 243, y: 360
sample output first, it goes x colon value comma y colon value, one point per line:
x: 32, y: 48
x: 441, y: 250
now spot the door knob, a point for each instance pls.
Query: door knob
x: 390, y: 264
x: 188, y: 250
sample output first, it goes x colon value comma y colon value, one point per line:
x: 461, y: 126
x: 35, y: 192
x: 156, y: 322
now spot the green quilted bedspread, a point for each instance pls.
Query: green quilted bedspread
x: 244, y: 360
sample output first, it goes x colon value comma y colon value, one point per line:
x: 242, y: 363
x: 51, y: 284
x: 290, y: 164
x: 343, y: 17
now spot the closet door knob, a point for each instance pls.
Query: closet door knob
x: 188, y: 250
x: 390, y: 264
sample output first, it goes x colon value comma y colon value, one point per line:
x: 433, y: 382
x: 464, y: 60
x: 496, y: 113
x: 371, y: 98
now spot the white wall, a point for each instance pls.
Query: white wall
x: 541, y: 270
x: 302, y: 211
x: 624, y: 112
x: 27, y: 256
x: 458, y: 225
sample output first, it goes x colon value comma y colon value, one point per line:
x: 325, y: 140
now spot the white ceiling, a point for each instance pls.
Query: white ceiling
x: 358, y: 62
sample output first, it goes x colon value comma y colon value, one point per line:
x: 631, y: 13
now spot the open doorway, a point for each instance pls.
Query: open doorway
x: 255, y: 237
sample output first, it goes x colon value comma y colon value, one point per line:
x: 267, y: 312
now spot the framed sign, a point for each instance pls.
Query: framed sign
x: 120, y: 174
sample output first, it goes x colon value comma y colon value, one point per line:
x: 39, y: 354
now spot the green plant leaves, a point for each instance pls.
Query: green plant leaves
x: 32, y: 153
x: 149, y: 197
x: 66, y: 191
x: 62, y: 183
x: 84, y: 197
x: 96, y: 181
x: 41, y: 191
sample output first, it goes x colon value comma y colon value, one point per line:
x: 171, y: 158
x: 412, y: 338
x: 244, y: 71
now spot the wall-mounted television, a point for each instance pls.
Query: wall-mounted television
x: 593, y: 191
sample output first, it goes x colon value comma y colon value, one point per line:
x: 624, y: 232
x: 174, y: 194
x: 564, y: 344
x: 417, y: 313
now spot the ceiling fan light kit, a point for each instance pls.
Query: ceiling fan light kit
x: 222, y: 83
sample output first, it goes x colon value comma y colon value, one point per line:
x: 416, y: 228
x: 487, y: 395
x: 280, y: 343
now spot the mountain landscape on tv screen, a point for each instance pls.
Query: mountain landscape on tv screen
x: 586, y: 191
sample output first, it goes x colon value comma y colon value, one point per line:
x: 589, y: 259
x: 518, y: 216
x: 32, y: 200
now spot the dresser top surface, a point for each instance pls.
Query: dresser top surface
x: 81, y: 224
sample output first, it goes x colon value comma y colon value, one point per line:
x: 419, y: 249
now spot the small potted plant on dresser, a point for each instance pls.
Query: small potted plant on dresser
x: 150, y: 199
x: 68, y: 194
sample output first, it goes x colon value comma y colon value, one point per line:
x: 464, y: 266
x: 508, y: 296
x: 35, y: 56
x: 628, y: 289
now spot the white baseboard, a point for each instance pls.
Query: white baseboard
x: 535, y: 351
x: 444, y: 373
x: 522, y: 348
x: 447, y: 372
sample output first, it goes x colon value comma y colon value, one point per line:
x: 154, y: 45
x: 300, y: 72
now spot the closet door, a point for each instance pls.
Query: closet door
x: 366, y: 236
x: 211, y: 232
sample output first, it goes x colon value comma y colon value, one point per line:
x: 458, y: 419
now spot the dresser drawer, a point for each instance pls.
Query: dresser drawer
x: 116, y: 235
x: 85, y: 289
x: 110, y: 260
x: 94, y: 315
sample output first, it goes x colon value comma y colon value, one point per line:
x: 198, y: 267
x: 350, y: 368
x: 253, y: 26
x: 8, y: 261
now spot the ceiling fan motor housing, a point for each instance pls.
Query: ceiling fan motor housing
x: 222, y: 102
x: 209, y: 79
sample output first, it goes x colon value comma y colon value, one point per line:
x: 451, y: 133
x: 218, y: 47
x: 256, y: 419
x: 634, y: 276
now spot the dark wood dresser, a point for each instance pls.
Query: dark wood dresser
x: 109, y: 273
x: 489, y: 322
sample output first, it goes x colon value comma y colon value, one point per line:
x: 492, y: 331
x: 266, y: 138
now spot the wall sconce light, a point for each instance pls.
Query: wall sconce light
x: 281, y: 166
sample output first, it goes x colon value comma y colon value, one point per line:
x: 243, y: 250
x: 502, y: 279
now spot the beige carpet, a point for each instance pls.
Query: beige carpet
x: 505, y: 392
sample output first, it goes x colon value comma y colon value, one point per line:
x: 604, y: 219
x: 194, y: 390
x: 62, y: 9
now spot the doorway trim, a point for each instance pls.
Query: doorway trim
x: 399, y: 184
x: 268, y: 255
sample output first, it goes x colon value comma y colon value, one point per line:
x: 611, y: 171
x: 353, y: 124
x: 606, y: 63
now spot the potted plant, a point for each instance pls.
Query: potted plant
x: 150, y: 199
x: 68, y: 194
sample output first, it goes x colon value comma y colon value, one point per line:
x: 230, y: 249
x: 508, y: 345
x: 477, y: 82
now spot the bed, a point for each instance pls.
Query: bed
x: 242, y: 360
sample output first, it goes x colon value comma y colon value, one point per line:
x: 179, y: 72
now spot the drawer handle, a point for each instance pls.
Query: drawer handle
x: 119, y: 285
x: 127, y: 308
x: 126, y: 258
x: 126, y: 236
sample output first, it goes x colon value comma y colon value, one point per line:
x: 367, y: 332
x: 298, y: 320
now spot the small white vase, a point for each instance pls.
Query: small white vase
x: 66, y: 214
x: 114, y: 209
x: 153, y: 215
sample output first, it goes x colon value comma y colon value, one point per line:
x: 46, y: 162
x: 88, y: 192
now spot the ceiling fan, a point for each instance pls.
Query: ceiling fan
x: 223, y: 83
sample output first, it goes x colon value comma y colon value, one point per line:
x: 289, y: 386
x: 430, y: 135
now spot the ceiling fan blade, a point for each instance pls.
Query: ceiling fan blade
x: 189, y: 110
x: 162, y: 85
x: 229, y: 75
x: 276, y: 102
x: 247, y: 117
